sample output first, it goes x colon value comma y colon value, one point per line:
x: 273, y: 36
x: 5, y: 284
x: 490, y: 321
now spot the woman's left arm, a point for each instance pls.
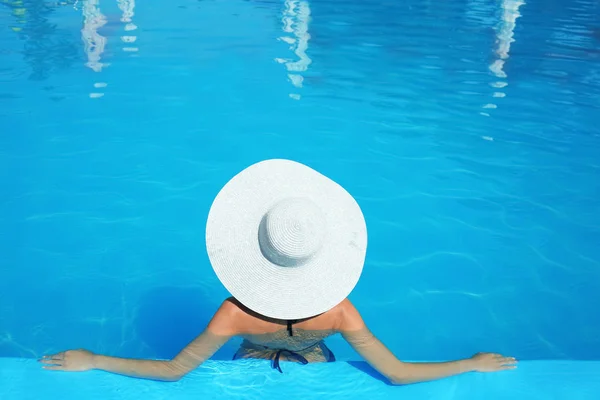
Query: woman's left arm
x: 220, y: 329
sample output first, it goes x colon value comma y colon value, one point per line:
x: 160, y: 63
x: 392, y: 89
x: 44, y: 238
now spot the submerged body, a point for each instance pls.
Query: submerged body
x: 278, y: 340
x: 291, y: 345
x: 300, y: 341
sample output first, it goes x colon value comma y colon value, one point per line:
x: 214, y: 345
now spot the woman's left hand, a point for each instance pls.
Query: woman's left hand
x: 70, y: 360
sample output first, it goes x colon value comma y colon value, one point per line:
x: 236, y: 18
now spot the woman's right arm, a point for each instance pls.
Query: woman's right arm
x: 222, y: 326
x: 356, y: 333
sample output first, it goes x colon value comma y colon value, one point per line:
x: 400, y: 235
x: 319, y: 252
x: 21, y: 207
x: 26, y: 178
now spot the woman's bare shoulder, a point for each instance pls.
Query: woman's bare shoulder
x: 347, y: 316
x: 228, y: 319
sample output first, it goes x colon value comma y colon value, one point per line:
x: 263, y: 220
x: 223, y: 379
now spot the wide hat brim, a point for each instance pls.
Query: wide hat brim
x: 269, y: 289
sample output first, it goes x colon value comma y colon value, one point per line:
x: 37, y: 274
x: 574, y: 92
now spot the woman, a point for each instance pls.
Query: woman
x: 289, y: 244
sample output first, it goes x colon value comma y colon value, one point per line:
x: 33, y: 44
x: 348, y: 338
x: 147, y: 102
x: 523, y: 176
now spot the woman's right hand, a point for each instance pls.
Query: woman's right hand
x: 491, y: 362
x: 70, y: 360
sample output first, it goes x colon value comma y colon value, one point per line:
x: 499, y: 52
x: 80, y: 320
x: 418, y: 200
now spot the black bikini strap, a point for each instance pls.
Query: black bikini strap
x: 291, y: 355
x: 289, y: 327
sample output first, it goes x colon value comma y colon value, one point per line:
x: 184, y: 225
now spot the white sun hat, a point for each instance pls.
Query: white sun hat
x: 286, y: 241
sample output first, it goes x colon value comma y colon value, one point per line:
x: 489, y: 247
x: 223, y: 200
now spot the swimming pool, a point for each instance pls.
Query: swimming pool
x: 467, y: 131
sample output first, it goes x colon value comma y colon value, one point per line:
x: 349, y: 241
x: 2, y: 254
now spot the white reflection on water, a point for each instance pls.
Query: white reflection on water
x: 504, y: 38
x: 127, y: 7
x: 95, y: 44
x: 505, y: 35
x: 296, y: 17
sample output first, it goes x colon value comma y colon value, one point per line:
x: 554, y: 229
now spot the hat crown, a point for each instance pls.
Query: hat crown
x: 292, y: 232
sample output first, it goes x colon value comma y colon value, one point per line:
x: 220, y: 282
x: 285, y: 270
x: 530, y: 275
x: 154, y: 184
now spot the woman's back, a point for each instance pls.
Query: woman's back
x: 281, y: 340
x: 252, y: 324
x: 265, y: 337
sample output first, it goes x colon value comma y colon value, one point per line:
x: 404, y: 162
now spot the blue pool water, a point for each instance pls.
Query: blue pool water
x: 467, y: 130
